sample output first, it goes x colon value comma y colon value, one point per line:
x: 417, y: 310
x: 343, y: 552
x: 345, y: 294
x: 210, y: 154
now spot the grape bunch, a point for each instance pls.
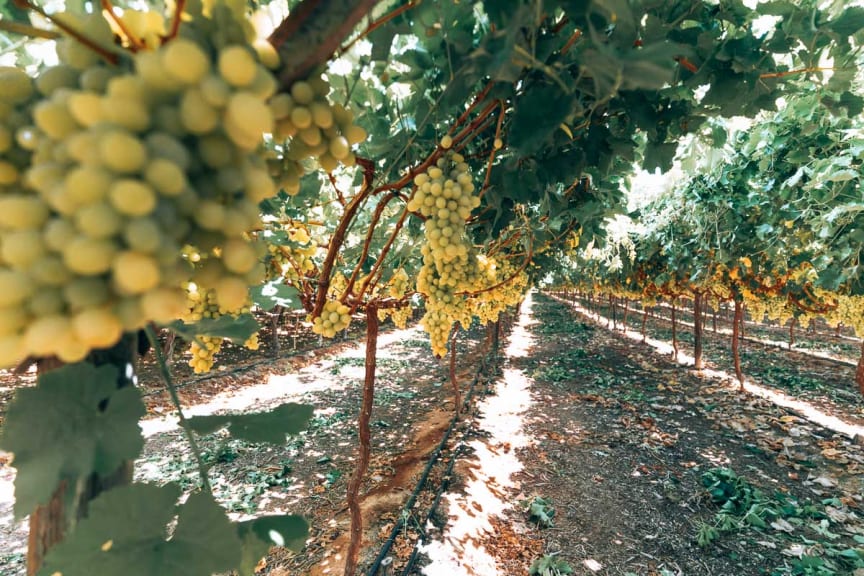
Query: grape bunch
x: 397, y: 289
x: 204, y: 305
x: 311, y: 127
x: 334, y: 318
x: 121, y: 184
x: 444, y: 197
x: 292, y: 261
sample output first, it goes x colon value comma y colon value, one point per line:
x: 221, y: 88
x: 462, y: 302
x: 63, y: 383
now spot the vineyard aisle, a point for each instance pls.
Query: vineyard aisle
x: 627, y: 463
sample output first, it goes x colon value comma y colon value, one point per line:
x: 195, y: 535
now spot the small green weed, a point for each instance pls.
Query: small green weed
x: 549, y: 565
x: 744, y: 507
x: 541, y: 511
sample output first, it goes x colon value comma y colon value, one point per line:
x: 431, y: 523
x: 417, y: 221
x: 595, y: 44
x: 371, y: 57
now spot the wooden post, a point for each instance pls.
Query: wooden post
x: 697, y: 330
x: 365, y: 442
x: 674, y: 331
x: 626, y: 310
x: 859, y: 371
x: 644, y: 320
x: 736, y: 354
x: 457, y: 394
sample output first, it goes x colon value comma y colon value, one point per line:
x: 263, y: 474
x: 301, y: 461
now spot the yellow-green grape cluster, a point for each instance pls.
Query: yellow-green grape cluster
x: 444, y: 196
x: 294, y: 261
x: 334, y: 318
x: 488, y: 305
x: 311, y: 127
x: 398, y: 287
x: 203, y: 350
x: 127, y: 171
x: 205, y: 305
x: 849, y: 312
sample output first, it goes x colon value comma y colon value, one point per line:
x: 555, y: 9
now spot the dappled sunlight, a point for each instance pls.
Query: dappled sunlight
x: 493, y: 465
x: 716, y: 458
x: 806, y: 409
x: 327, y: 374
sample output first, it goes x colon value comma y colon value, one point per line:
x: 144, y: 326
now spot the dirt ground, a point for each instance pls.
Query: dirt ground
x: 584, y: 451
x: 625, y: 438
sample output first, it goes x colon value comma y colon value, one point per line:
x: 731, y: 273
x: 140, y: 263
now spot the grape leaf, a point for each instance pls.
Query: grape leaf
x: 259, y: 535
x: 125, y: 534
x: 73, y: 423
x: 270, y: 427
x: 237, y: 330
x: 268, y: 296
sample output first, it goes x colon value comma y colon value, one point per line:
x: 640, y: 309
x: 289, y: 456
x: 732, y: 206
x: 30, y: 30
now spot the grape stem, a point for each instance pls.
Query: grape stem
x: 376, y: 216
x: 165, y: 371
x: 109, y: 57
x: 378, y: 23
x: 135, y: 44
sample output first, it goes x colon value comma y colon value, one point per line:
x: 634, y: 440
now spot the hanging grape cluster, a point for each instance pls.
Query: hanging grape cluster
x: 122, y: 183
x: 397, y: 289
x: 204, y: 305
x: 444, y: 197
x: 310, y: 127
x: 334, y: 318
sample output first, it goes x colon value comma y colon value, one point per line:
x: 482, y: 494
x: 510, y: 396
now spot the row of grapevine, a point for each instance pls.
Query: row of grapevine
x: 773, y: 223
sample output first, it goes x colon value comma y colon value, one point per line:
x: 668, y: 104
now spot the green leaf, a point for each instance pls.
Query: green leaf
x: 237, y: 330
x: 125, y: 534
x: 538, y: 114
x: 73, y: 423
x: 268, y: 296
x: 259, y: 535
x: 270, y: 427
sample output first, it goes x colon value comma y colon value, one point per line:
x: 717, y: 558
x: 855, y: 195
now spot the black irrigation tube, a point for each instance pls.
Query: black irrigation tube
x: 382, y: 554
x: 448, y: 474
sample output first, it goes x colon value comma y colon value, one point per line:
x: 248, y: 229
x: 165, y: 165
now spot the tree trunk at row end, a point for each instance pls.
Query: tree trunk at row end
x: 674, y: 331
x: 614, y: 312
x: 49, y: 523
x: 791, y: 333
x: 697, y: 330
x: 859, y: 371
x: 364, y: 449
x: 626, y: 310
x: 644, y: 321
x: 737, y: 322
x: 454, y: 383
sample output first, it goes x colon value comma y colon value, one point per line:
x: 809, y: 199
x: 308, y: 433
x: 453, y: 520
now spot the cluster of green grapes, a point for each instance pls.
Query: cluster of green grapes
x: 444, y: 196
x: 309, y: 126
x: 334, y: 318
x: 293, y: 262
x: 202, y: 305
x: 775, y: 308
x: 488, y: 305
x: 397, y: 289
x: 849, y: 312
x: 112, y: 176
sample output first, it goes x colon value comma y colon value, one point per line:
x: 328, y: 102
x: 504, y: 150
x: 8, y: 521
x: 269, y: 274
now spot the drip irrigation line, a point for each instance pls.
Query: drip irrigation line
x: 421, y: 483
x: 445, y: 484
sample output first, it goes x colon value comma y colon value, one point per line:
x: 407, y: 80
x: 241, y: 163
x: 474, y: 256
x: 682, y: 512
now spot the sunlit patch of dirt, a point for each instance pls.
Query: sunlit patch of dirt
x: 463, y: 548
x: 807, y: 409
